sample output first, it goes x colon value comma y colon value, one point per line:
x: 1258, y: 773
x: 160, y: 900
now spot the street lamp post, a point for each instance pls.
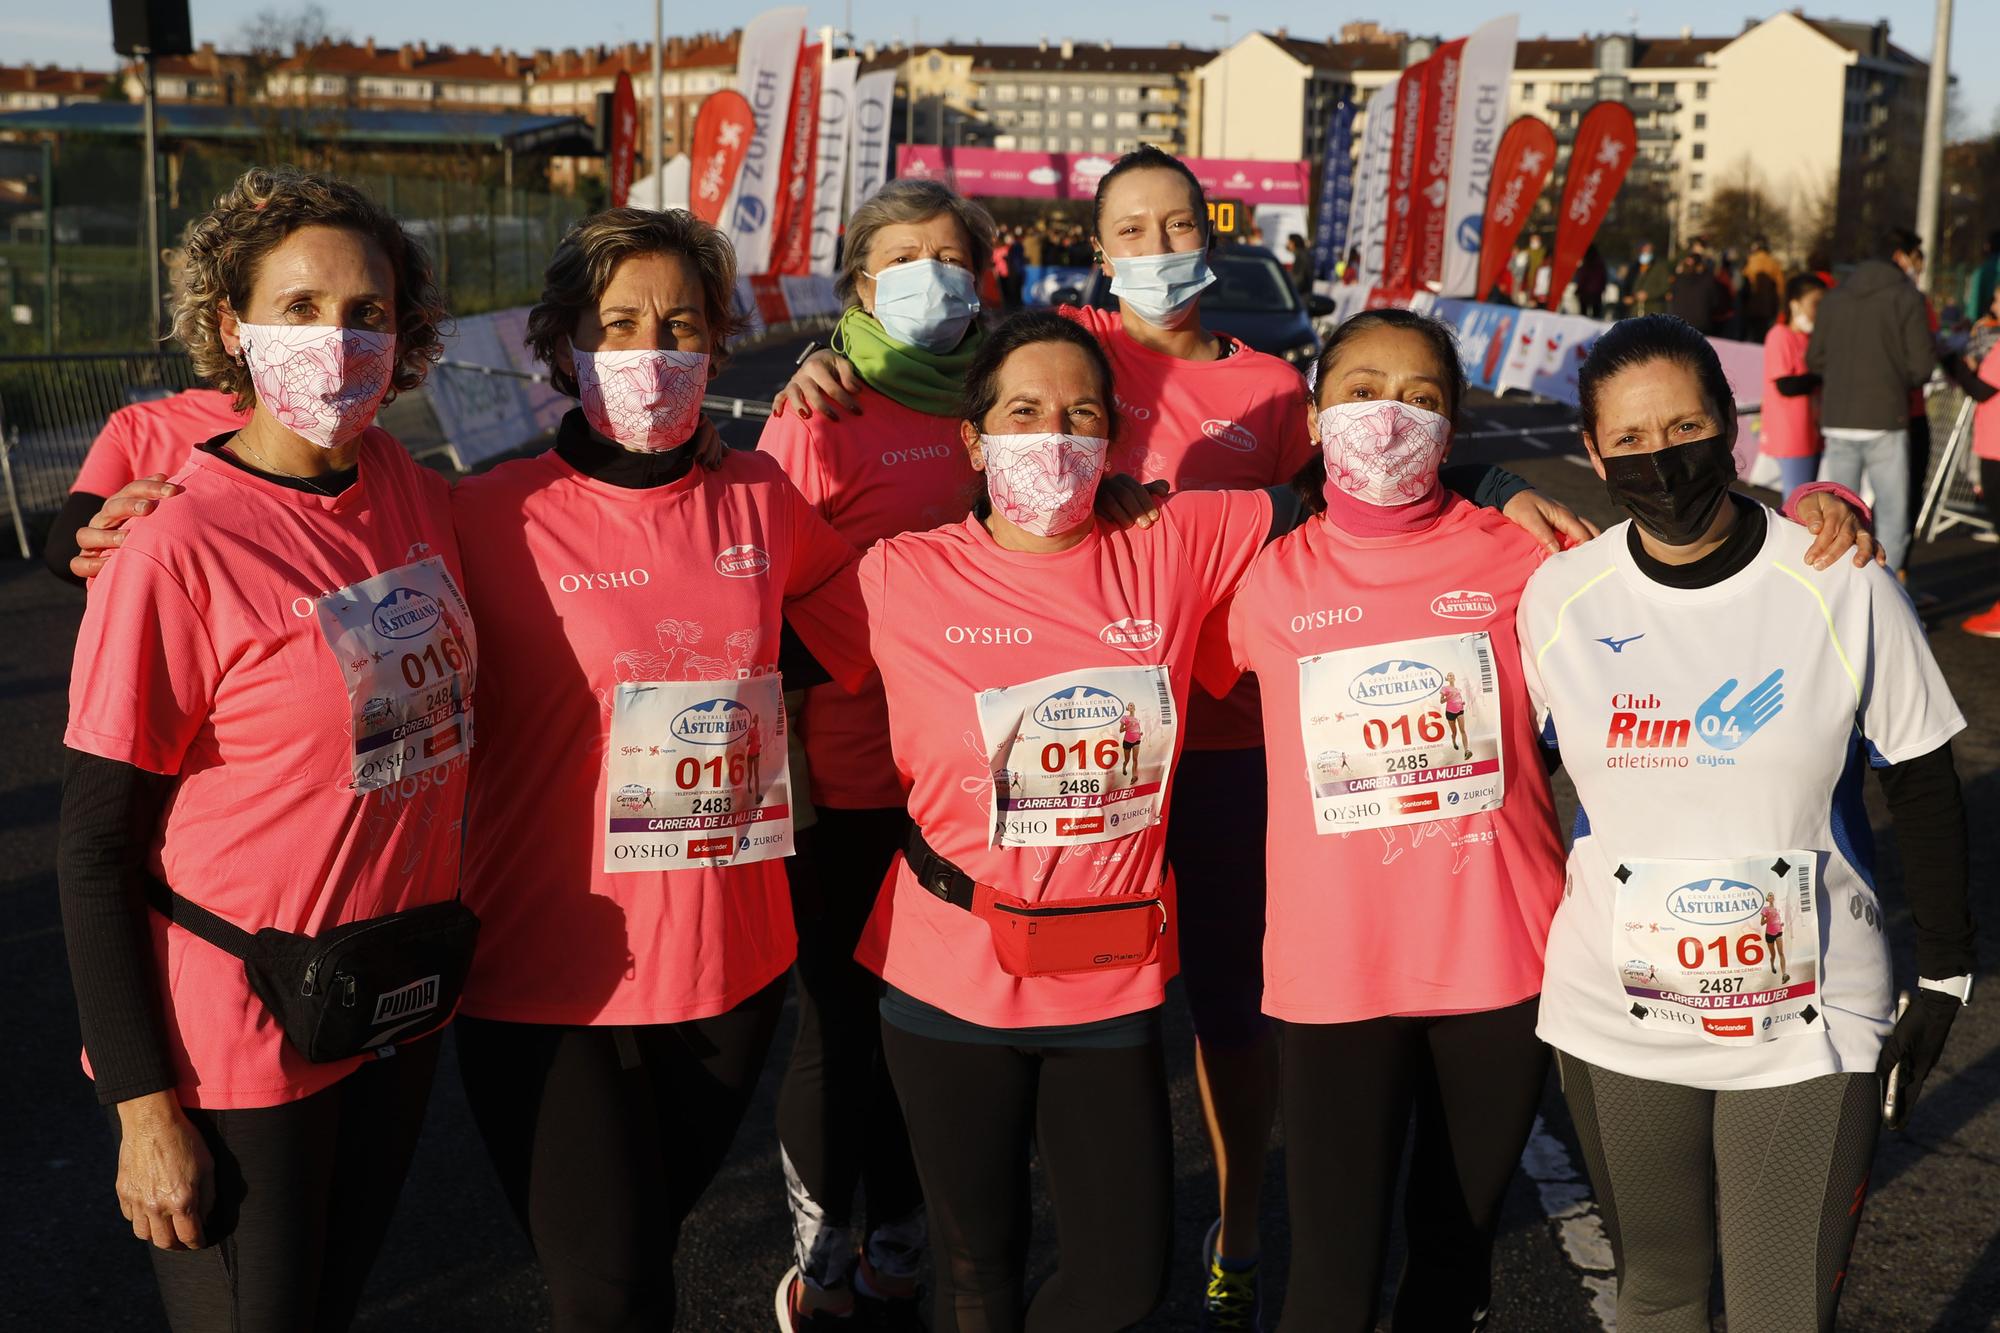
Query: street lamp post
x: 659, y: 148
x: 1932, y: 173
x: 1222, y: 132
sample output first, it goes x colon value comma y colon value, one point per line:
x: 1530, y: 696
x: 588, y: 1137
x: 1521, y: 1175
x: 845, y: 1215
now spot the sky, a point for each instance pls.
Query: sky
x: 80, y: 34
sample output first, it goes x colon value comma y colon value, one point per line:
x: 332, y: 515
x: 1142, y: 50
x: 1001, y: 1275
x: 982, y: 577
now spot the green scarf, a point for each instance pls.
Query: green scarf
x: 931, y: 382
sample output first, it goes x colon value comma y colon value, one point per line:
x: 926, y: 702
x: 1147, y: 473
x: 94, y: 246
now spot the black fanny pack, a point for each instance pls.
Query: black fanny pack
x: 355, y: 989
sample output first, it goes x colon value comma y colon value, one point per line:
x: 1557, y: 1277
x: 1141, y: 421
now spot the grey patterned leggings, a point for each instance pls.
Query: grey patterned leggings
x: 1788, y: 1167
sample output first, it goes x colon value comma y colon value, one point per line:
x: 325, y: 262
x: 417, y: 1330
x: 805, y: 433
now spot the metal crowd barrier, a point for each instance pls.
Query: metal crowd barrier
x: 1949, y: 500
x: 52, y: 407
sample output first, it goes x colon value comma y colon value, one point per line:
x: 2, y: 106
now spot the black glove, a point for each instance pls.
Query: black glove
x: 1915, y: 1044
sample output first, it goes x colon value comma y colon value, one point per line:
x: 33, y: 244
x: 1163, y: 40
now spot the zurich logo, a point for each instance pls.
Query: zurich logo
x: 1716, y: 902
x: 1394, y: 683
x: 712, y: 722
x: 749, y: 213
x: 1469, y: 229
x: 1079, y: 708
x: 406, y: 613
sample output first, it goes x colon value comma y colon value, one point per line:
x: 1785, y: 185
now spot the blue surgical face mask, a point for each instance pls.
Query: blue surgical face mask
x: 925, y: 303
x: 1160, y: 288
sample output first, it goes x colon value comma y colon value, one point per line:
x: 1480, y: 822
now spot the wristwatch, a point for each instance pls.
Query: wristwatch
x: 1959, y: 988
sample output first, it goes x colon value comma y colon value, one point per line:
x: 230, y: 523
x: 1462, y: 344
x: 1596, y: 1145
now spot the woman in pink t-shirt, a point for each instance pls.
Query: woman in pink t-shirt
x: 632, y: 961
x: 1027, y: 933
x: 1393, y: 800
x: 1790, y: 420
x: 894, y: 464
x: 233, y: 668
x: 1197, y: 410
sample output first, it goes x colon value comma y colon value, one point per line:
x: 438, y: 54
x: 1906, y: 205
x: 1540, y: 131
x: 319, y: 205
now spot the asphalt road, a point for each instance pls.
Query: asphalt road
x: 1928, y: 1255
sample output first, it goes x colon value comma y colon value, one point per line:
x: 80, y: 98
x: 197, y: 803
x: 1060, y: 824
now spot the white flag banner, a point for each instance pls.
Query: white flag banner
x: 1368, y: 227
x: 836, y: 131
x: 1484, y: 76
x: 766, y: 61
x: 874, y: 110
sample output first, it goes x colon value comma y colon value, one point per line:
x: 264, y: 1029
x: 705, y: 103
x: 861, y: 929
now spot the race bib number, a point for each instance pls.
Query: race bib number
x: 1079, y: 757
x: 405, y: 648
x: 698, y: 775
x: 1401, y: 733
x: 1720, y: 951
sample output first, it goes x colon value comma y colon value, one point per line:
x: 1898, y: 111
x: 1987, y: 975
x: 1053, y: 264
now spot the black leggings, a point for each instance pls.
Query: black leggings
x: 838, y: 1122
x: 1784, y: 1171
x: 303, y: 1197
x: 1099, y: 1119
x: 604, y: 1139
x: 1473, y: 1081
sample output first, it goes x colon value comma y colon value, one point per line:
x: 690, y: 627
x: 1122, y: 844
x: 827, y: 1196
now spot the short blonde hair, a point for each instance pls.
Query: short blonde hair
x: 910, y: 201
x: 224, y: 247
x: 591, y: 251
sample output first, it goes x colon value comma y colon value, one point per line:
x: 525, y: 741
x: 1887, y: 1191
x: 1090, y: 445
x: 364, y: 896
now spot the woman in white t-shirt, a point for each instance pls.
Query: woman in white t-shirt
x: 1716, y: 700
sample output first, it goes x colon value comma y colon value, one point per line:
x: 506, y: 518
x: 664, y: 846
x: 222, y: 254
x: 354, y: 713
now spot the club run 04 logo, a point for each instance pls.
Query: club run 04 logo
x: 1643, y: 733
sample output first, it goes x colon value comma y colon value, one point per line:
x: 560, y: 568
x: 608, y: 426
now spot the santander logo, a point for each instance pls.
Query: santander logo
x: 1465, y: 605
x: 1230, y: 435
x: 741, y: 562
x: 1130, y: 635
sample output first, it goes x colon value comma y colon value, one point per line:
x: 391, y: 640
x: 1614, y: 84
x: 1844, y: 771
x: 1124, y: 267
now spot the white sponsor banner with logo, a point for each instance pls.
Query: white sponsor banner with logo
x: 836, y: 132
x: 1402, y: 733
x: 697, y: 773
x: 874, y: 116
x: 1484, y: 74
x: 1368, y: 224
x: 767, y: 60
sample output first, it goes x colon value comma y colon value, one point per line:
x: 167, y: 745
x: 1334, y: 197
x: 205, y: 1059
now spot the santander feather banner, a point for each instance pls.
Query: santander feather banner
x: 1598, y: 161
x: 1412, y: 92
x: 1429, y: 190
x: 791, y: 232
x: 1521, y: 167
x: 624, y: 139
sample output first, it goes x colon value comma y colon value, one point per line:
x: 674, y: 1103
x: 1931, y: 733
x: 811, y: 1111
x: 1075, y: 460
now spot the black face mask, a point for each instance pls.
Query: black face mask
x: 1673, y: 493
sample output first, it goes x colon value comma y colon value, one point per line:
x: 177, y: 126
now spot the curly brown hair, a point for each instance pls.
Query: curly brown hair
x: 225, y: 246
x: 591, y: 251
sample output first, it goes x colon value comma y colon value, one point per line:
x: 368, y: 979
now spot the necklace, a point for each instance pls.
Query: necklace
x: 268, y: 466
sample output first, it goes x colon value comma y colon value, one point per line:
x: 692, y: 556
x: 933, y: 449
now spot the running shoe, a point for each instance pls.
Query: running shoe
x: 1233, y: 1301
x: 793, y: 1317
x: 886, y: 1304
x: 1986, y: 624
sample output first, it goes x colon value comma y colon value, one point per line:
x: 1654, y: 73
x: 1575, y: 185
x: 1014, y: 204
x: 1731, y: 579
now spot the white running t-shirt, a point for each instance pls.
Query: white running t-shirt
x: 1717, y: 737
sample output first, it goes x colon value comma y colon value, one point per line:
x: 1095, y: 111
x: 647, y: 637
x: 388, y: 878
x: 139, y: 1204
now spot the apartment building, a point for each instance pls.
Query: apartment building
x: 1805, y: 109
x: 567, y: 83
x: 37, y: 88
x: 1052, y: 96
x: 207, y: 77
x: 409, y: 77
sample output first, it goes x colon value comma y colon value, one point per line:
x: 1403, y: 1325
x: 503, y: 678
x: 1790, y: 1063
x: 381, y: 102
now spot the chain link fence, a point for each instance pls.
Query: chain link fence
x: 488, y: 240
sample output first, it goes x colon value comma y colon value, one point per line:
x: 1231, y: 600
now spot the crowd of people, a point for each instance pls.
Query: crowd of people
x: 950, y: 706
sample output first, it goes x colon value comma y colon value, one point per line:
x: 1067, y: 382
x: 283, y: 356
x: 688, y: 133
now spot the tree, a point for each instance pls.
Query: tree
x: 273, y: 37
x: 1740, y: 213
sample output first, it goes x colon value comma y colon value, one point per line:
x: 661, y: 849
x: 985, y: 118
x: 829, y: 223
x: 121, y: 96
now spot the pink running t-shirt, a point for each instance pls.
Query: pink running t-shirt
x: 1789, y: 426
x: 578, y: 585
x: 1236, y: 423
x: 892, y: 469
x: 202, y: 656
x: 1444, y: 916
x: 951, y: 614
x: 156, y: 437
